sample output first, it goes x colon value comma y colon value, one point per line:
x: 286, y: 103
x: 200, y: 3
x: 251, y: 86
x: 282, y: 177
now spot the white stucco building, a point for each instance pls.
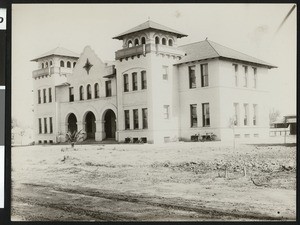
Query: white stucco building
x: 155, y: 90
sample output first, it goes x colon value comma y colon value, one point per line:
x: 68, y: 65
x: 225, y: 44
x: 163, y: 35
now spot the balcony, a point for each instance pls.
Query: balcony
x: 51, y: 70
x: 146, y: 48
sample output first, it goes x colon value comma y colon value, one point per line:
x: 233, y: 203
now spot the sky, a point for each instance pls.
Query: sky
x: 248, y: 28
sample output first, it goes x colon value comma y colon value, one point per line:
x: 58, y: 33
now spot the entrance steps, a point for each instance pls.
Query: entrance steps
x: 91, y: 142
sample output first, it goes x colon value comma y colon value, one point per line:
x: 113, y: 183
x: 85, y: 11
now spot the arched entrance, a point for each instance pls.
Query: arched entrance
x: 110, y: 124
x: 90, y: 125
x: 72, y: 123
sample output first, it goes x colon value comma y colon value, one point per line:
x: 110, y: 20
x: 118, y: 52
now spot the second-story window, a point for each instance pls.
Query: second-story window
x: 192, y: 77
x: 165, y: 73
x: 193, y: 109
x: 39, y: 97
x: 69, y: 64
x: 170, y: 42
x: 50, y: 94
x: 236, y: 75
x: 126, y: 82
x: 71, y: 94
x: 62, y: 63
x: 204, y: 75
x: 136, y: 42
x: 134, y: 81
x: 163, y: 41
x: 108, y: 88
x: 156, y: 40
x: 245, y: 76
x: 144, y: 79
x: 81, y: 93
x: 254, y: 77
x: 129, y: 44
x: 74, y: 64
x: 44, y: 95
x: 88, y: 91
x: 143, y: 40
x: 96, y: 87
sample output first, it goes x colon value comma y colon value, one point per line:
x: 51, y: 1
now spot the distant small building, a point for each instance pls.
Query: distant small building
x: 286, y: 124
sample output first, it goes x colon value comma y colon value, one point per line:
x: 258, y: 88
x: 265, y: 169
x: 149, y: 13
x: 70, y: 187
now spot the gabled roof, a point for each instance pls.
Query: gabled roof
x: 150, y: 25
x: 59, y: 51
x: 208, y: 49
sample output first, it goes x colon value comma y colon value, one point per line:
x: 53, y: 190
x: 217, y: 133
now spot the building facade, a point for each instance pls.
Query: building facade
x: 154, y: 91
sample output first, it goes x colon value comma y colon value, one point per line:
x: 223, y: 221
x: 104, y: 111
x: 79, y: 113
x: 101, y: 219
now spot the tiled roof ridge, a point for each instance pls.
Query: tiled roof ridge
x: 213, y: 47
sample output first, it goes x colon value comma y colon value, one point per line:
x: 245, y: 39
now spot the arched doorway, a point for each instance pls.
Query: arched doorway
x: 72, y: 123
x: 110, y: 124
x: 90, y: 125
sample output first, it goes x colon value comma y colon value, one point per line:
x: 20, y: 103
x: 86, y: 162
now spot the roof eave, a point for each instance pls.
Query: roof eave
x: 36, y: 59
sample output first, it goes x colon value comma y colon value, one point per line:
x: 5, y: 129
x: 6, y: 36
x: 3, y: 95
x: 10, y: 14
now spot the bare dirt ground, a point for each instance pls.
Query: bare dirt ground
x: 143, y: 182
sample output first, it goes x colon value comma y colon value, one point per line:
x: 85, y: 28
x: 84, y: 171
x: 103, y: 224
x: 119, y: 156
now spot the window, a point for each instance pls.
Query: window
x: 134, y: 82
x: 254, y: 115
x: 51, y: 125
x: 69, y: 64
x: 44, y: 96
x: 46, y: 65
x: 81, y: 93
x: 245, y: 114
x: 170, y: 42
x: 71, y: 94
x: 205, y: 115
x: 156, y: 40
x: 126, y: 83
x: 96, y: 89
x: 144, y: 80
x: 236, y: 81
x: 193, y: 109
x: 50, y: 94
x: 143, y: 40
x: 192, y: 77
x: 145, y: 118
x: 42, y: 65
x: 39, y: 97
x: 62, y: 63
x: 163, y: 41
x: 129, y: 44
x: 245, y: 76
x: 236, y: 113
x: 51, y: 63
x: 74, y: 64
x: 136, y: 42
x: 204, y: 75
x: 254, y: 77
x: 135, y: 119
x: 40, y: 125
x: 88, y: 92
x: 108, y: 88
x: 166, y: 111
x: 127, y: 119
x: 165, y: 72
x: 45, y: 126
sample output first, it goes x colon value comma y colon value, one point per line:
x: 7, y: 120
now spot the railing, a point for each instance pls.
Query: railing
x: 279, y: 131
x: 146, y: 48
x: 50, y: 71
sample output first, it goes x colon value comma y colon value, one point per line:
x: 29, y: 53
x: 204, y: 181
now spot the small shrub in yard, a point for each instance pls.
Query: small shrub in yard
x: 74, y: 137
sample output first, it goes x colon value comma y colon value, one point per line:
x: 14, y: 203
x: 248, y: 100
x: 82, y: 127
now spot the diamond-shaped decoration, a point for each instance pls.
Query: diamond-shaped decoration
x: 87, y: 66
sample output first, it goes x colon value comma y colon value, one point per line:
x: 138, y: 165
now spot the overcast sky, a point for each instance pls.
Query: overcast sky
x: 249, y: 28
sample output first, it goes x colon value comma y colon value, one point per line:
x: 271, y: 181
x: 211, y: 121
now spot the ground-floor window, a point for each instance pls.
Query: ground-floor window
x: 205, y: 115
x: 127, y: 120
x: 145, y: 118
x: 193, y: 112
x: 40, y: 125
x: 45, y: 126
x: 135, y: 119
x: 51, y: 125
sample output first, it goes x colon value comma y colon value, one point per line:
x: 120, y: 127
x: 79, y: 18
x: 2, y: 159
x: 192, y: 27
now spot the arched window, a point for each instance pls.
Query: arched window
x: 164, y: 41
x: 143, y: 40
x: 51, y: 63
x: 69, y: 64
x: 96, y: 87
x: 42, y: 65
x: 74, y: 64
x: 170, y: 42
x: 62, y: 63
x: 136, y: 42
x: 129, y: 44
x: 46, y: 64
x: 89, y: 92
x: 156, y: 40
x: 81, y: 93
